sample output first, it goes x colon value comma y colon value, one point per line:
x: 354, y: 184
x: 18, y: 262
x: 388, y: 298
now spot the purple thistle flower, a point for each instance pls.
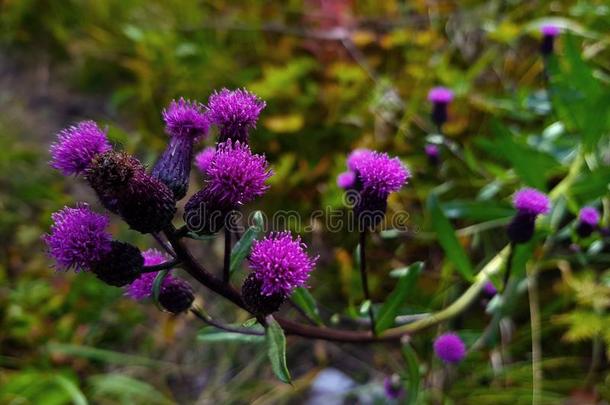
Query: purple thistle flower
x: 141, y: 288
x: 346, y: 180
x: 236, y: 176
x: 185, y: 118
x: 531, y: 201
x: 433, y: 153
x: 78, y: 238
x: 379, y: 174
x: 392, y: 387
x: 550, y: 30
x: 204, y: 158
x: 450, y: 348
x: 489, y: 289
x: 76, y: 146
x: 235, y: 112
x: 589, y: 216
x: 441, y: 95
x: 280, y: 263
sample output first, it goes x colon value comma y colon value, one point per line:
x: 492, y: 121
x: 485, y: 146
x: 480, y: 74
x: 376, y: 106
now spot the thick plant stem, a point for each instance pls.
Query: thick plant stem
x: 364, y: 278
x: 532, y: 287
x: 226, y: 270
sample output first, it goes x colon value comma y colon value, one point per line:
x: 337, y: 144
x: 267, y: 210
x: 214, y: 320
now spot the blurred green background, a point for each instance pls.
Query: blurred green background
x: 336, y: 75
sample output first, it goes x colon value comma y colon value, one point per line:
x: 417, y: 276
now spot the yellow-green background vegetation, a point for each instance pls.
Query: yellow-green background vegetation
x: 336, y: 75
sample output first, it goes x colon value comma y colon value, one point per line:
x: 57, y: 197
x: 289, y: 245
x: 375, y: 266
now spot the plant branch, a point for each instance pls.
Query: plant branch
x: 221, y: 326
x: 226, y: 269
x: 158, y: 267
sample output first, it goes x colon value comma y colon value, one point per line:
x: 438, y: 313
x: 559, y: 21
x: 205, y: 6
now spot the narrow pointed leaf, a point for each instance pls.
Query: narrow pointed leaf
x: 307, y: 303
x: 412, y: 374
x: 276, y: 349
x: 242, y: 247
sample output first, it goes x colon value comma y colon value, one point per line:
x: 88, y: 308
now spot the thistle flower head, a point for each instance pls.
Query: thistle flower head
x: 432, y: 151
x: 531, y: 201
x: 204, y: 158
x: 78, y: 237
x: 489, y: 289
x: 450, y: 348
x: 589, y: 216
x: 392, y: 386
x: 235, y: 175
x: 235, y: 112
x: 281, y: 263
x: 440, y: 95
x: 346, y: 179
x: 141, y: 288
x: 76, y: 146
x: 380, y: 174
x: 550, y: 30
x: 185, y: 118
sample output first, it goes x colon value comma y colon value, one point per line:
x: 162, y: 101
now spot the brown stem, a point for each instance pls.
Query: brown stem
x: 226, y: 271
x: 221, y: 326
x: 197, y: 271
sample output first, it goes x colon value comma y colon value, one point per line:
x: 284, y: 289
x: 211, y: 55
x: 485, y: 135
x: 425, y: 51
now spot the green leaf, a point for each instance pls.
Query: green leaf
x: 307, y: 303
x: 364, y: 308
x: 477, y: 210
x: 412, y: 373
x: 448, y: 240
x: 407, y: 279
x: 210, y: 334
x: 276, y: 349
x: 242, y: 247
x: 531, y: 165
x: 156, y: 289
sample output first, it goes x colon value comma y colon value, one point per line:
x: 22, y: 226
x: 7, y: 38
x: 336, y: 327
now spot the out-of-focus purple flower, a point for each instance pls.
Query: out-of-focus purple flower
x: 235, y: 112
x: 588, y: 219
x: 489, y: 289
x: 346, y: 179
x: 235, y: 175
x: 185, y: 118
x: 380, y: 174
x: 281, y: 263
x: 141, y: 288
x: 357, y: 156
x: 589, y: 216
x: 78, y: 238
x: 392, y: 387
x: 204, y: 158
x: 76, y: 146
x: 440, y: 95
x: 531, y: 201
x: 433, y: 153
x: 550, y: 30
x: 450, y: 348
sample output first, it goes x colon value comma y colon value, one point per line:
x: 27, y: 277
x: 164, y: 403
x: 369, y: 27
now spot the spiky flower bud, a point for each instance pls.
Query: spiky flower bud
x: 549, y: 32
x: 185, y: 122
x: 588, y: 220
x: 121, y: 266
x: 205, y: 214
x: 257, y: 302
x: 176, y: 296
x: 433, y: 153
x: 144, y: 202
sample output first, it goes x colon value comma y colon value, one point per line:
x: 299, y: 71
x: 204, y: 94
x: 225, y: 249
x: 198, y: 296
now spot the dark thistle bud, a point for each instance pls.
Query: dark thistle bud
x: 185, y: 123
x: 440, y: 97
x: 549, y: 32
x: 205, y: 213
x: 121, y: 266
x: 176, y: 296
x: 529, y: 203
x: 144, y: 202
x: 376, y: 176
x: 235, y: 112
x: 588, y: 219
x: 433, y: 154
x: 258, y: 303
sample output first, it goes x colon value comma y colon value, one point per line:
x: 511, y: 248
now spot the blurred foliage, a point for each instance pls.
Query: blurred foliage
x: 336, y: 75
